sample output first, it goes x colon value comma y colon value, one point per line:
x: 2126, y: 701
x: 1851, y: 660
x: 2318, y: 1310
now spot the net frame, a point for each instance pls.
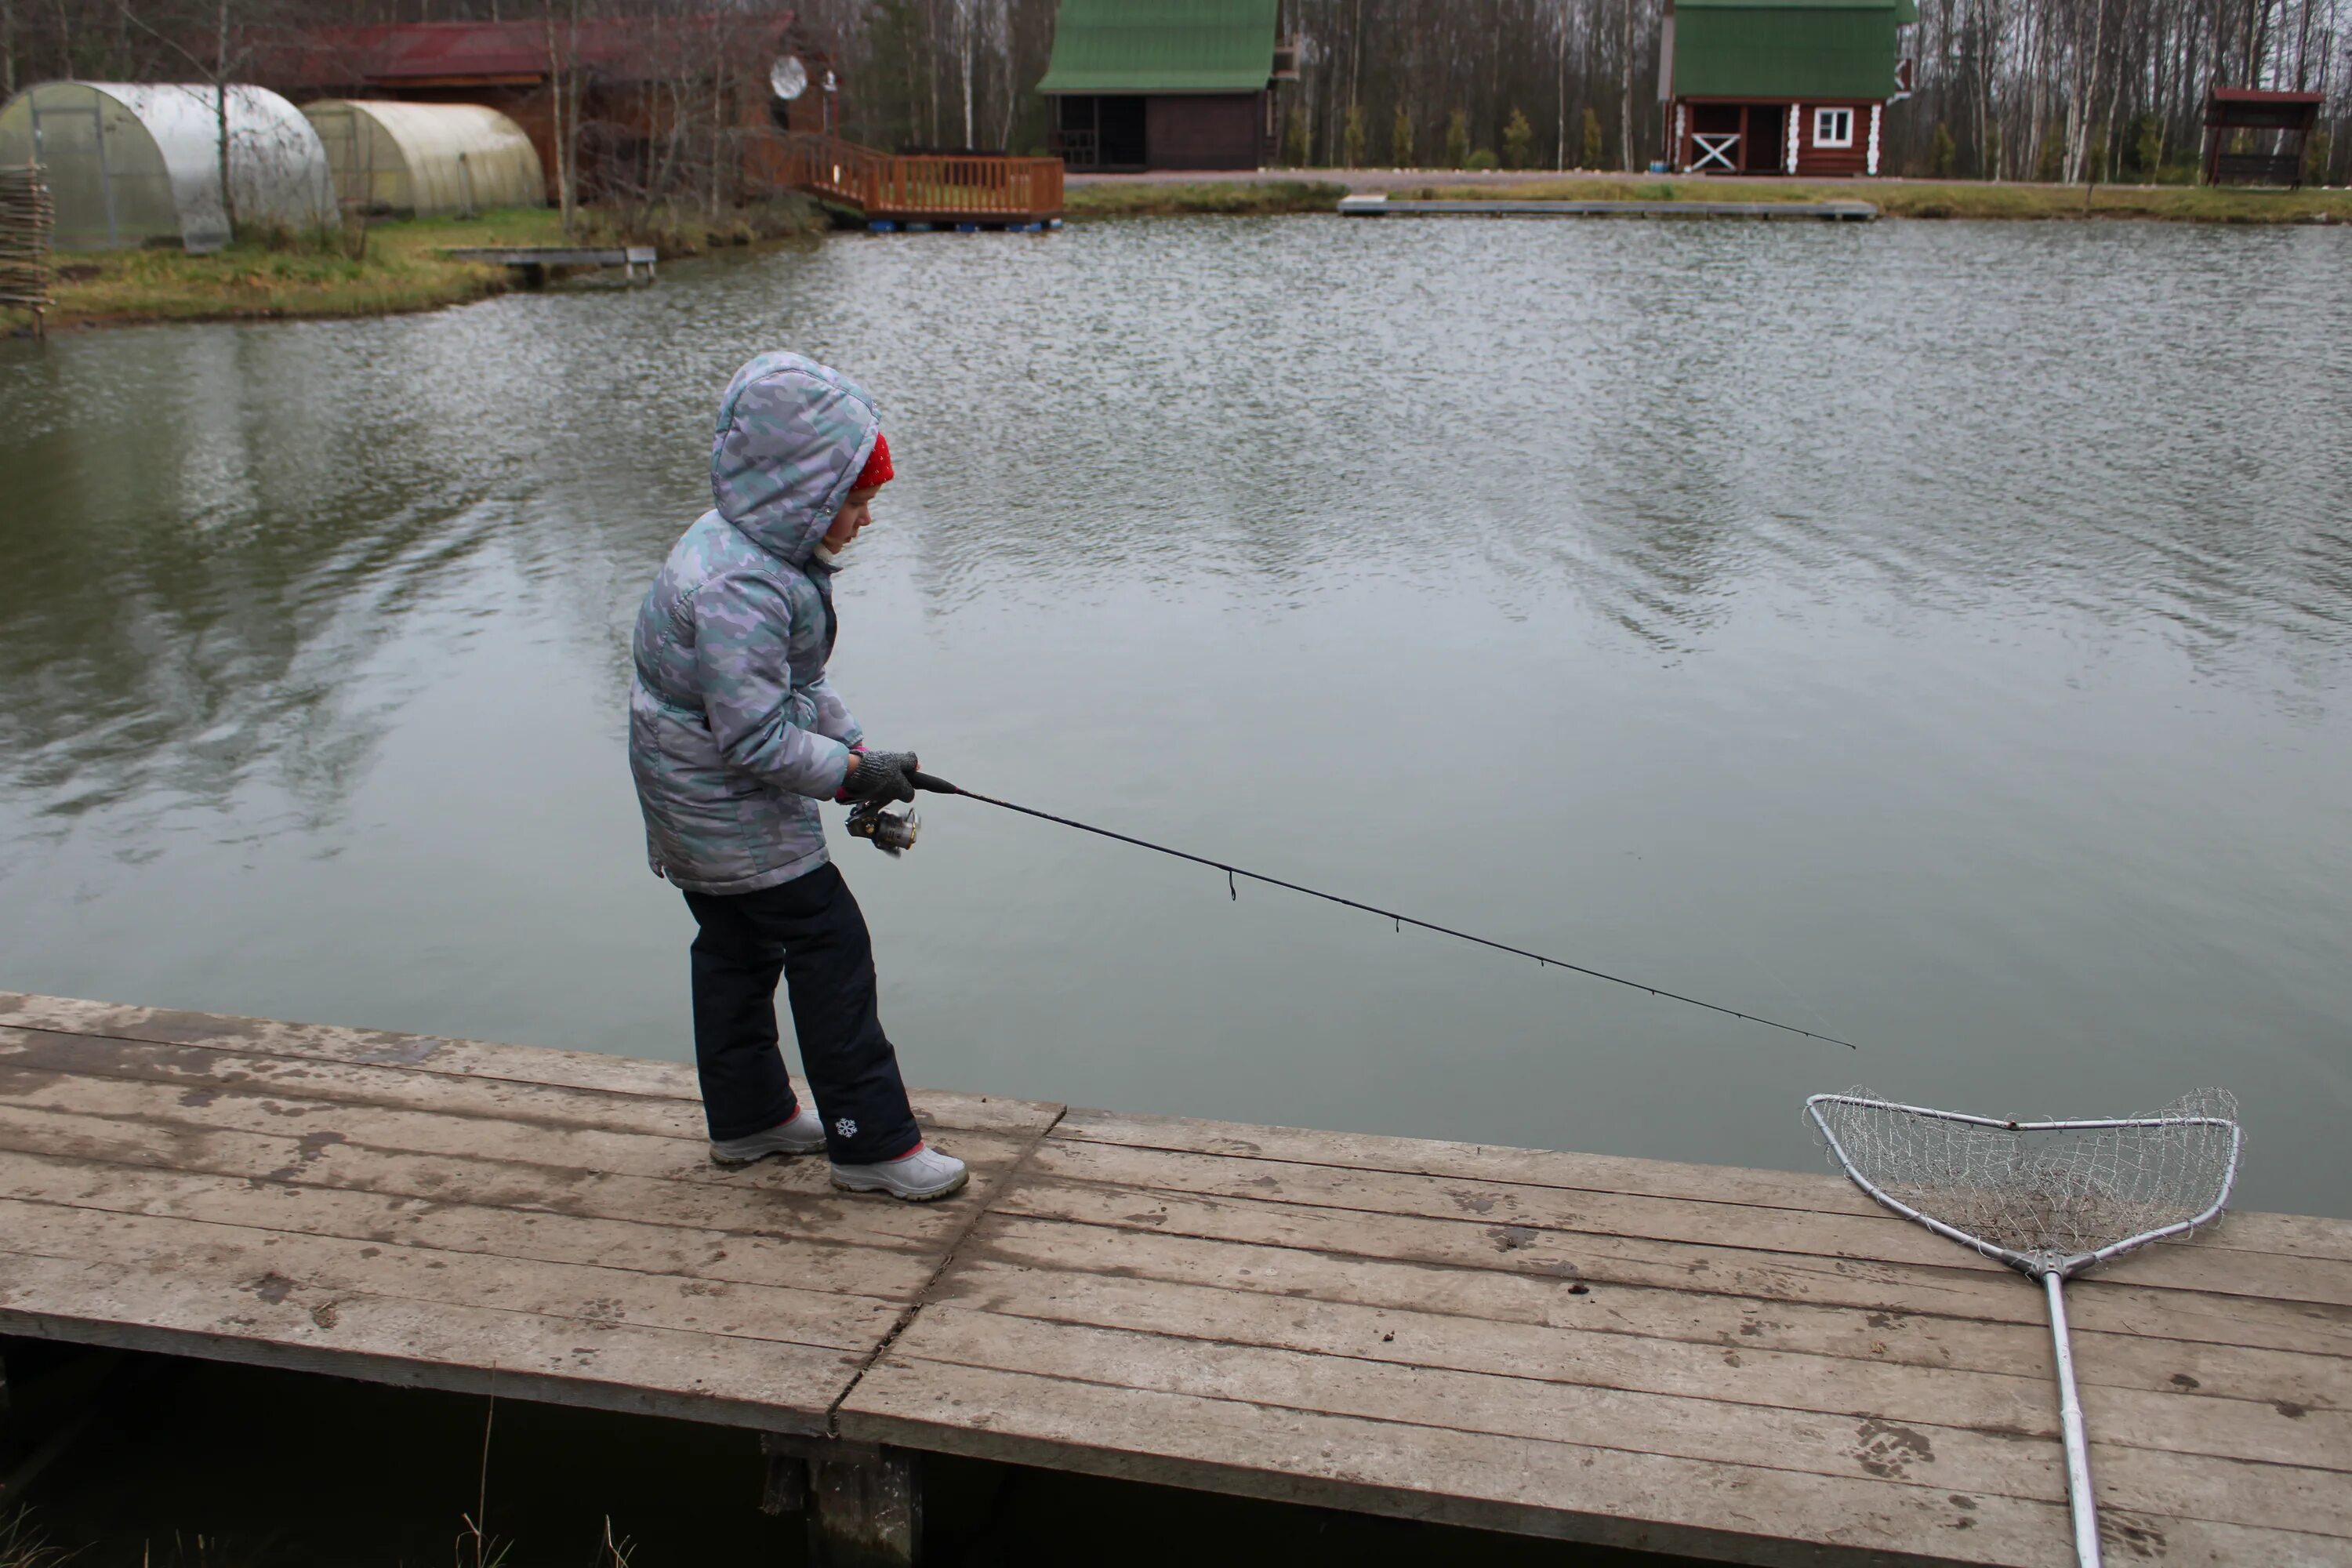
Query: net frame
x: 2051, y: 1210
x: 2090, y: 1189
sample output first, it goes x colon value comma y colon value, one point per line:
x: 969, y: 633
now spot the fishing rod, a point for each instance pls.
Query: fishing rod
x: 894, y: 833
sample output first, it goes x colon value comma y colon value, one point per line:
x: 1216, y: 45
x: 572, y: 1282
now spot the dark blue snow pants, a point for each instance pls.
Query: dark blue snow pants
x: 810, y: 931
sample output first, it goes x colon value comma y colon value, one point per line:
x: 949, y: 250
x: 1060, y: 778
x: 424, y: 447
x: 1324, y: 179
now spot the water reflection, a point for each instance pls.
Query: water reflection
x: 1939, y: 626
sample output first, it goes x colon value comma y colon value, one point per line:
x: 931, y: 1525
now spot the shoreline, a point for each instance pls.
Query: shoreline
x: 1319, y: 190
x: 401, y: 270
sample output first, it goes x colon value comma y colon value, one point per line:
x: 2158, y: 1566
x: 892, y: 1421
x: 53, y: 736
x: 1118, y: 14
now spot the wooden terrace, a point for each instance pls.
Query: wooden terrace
x: 1749, y: 1366
x: 945, y: 191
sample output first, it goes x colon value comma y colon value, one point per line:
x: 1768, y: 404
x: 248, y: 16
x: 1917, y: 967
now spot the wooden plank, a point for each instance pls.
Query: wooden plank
x: 1473, y: 1162
x: 467, y: 1350
x: 215, y: 1067
x: 562, y: 1152
x: 2016, y: 1402
x: 1826, y: 1192
x: 1880, y: 1238
x: 1729, y: 1329
x: 724, y: 1256
x: 322, y: 1159
x: 1648, y: 1502
x: 1547, y: 1261
x: 465, y: 1059
x: 1978, y: 1462
x: 238, y: 1259
x: 1885, y: 1239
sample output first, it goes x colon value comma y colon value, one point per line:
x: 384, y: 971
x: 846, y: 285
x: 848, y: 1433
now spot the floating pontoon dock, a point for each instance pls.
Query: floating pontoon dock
x: 1744, y: 1365
x: 538, y: 260
x: 1376, y: 205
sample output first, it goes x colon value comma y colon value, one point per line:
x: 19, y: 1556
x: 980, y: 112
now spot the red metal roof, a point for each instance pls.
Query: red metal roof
x: 2261, y: 95
x: 619, y: 48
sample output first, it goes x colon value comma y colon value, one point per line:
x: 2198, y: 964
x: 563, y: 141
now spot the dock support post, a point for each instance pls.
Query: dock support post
x: 865, y: 1514
x: 863, y: 1501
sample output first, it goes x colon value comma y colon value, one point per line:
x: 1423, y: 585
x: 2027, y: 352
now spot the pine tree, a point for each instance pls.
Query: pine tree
x: 1354, y: 136
x: 1401, y: 153
x: 1457, y: 140
x: 1519, y: 141
x: 1590, y: 157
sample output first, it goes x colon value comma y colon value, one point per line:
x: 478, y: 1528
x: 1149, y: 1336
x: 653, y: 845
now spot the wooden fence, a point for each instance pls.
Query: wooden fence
x: 926, y: 187
x: 27, y: 221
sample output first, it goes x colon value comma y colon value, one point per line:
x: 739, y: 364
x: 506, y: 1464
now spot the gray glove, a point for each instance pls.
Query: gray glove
x: 880, y: 776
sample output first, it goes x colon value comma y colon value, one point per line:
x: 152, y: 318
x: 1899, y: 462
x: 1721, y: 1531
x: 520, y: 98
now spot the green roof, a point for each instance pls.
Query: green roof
x: 1162, y: 45
x: 1772, y: 49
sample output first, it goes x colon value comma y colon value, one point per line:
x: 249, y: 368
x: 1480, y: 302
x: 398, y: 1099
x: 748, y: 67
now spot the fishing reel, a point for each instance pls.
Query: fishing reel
x: 891, y: 832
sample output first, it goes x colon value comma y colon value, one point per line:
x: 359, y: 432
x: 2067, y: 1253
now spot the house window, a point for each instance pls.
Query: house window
x: 1833, y: 127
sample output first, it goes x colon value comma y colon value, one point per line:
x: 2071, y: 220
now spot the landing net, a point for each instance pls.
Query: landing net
x: 2047, y: 1197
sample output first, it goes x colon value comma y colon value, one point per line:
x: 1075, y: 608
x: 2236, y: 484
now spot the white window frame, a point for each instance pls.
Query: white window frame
x: 1825, y: 117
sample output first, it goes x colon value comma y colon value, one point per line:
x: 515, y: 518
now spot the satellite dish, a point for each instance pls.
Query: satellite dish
x: 788, y: 79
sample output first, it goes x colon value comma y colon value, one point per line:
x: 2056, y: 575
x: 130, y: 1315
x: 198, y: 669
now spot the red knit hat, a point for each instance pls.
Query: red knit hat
x: 877, y: 470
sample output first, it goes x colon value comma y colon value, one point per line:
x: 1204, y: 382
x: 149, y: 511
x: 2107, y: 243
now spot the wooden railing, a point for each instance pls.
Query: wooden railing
x: 920, y: 187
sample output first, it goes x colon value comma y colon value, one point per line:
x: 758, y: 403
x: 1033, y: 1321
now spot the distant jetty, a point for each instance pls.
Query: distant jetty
x: 1379, y: 205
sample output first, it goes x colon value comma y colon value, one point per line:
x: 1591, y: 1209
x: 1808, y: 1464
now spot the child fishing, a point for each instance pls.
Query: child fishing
x: 734, y: 737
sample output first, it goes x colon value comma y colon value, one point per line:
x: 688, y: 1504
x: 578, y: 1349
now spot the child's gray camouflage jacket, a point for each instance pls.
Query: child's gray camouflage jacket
x: 734, y: 735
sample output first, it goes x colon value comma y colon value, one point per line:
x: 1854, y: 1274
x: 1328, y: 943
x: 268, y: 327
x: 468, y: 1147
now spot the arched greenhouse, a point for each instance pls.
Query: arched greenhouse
x: 413, y: 160
x: 139, y: 163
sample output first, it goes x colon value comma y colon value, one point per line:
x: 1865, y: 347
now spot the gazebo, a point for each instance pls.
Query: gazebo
x: 1164, y: 84
x: 1782, y: 87
x: 2272, y: 127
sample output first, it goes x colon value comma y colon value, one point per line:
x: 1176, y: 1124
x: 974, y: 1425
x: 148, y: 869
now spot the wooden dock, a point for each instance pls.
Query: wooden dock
x: 1749, y: 1366
x: 922, y: 191
x: 539, y: 260
x: 1376, y: 205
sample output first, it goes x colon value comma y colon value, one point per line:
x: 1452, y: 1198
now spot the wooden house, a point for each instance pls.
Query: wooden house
x: 1782, y: 87
x: 631, y: 80
x: 1165, y: 84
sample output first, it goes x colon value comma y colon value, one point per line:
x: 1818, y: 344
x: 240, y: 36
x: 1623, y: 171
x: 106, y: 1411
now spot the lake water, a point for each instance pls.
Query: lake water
x: 1937, y: 635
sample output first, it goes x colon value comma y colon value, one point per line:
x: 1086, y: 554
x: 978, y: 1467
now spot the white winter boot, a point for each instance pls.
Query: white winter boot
x: 804, y: 1134
x: 919, y: 1176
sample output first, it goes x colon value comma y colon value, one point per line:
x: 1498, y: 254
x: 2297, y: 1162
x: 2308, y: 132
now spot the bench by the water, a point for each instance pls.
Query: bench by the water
x: 539, y: 260
x: 1745, y: 1365
x: 1377, y: 205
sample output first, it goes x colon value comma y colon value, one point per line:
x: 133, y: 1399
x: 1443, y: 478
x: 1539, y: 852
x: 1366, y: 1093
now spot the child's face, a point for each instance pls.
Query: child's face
x: 853, y: 515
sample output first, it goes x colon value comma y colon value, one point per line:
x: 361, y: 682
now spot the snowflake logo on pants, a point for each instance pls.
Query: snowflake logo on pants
x: 846, y: 1127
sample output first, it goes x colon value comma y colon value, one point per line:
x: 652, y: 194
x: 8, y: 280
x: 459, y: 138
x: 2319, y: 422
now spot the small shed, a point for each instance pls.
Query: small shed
x: 2256, y: 137
x: 418, y: 160
x: 1782, y: 87
x: 139, y: 163
x: 1163, y: 84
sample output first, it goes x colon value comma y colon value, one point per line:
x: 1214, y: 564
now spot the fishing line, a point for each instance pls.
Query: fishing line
x: 938, y: 786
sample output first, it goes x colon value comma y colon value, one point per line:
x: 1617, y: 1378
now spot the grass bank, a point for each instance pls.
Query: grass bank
x: 1144, y: 199
x: 401, y: 266
x: 1932, y: 199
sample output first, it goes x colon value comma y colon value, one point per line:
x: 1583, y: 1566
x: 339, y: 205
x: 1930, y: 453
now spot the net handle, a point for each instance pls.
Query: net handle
x: 2065, y: 1268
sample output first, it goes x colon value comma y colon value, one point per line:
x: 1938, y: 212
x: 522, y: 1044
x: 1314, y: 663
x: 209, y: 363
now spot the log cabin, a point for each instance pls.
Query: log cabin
x: 1782, y: 87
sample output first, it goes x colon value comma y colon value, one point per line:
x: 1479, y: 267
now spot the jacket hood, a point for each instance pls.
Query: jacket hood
x: 793, y: 437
